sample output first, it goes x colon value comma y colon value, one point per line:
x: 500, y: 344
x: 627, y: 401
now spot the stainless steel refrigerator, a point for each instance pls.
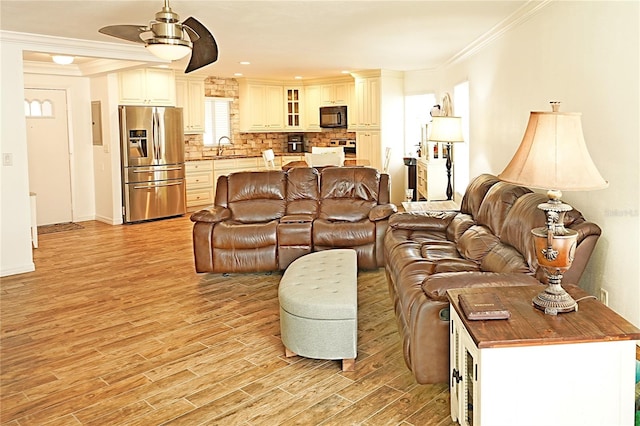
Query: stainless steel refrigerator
x: 152, y: 155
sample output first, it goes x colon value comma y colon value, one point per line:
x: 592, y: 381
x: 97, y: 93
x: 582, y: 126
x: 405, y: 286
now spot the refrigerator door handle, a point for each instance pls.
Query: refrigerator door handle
x: 159, y: 185
x: 155, y: 124
x: 166, y: 169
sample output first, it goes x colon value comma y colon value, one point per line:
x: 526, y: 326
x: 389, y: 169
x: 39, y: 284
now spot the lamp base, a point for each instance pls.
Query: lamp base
x: 554, y: 299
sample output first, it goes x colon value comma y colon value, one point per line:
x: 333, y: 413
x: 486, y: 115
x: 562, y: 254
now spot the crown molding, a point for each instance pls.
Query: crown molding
x: 77, y: 47
x: 521, y: 15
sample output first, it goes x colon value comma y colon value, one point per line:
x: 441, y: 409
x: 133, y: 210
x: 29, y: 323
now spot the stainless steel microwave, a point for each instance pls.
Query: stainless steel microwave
x: 333, y: 117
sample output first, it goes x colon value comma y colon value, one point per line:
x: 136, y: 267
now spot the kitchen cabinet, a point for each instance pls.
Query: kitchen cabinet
x: 312, y: 104
x: 190, y: 96
x: 148, y: 86
x: 334, y: 94
x: 369, y: 148
x: 293, y: 108
x: 200, y: 183
x: 432, y: 179
x: 367, y: 104
x: 261, y: 106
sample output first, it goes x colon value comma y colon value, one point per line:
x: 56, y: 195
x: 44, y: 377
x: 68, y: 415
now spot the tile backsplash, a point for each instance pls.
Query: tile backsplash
x: 250, y: 144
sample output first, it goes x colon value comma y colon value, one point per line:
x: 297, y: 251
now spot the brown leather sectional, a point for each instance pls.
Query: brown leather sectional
x: 262, y: 221
x: 487, y: 243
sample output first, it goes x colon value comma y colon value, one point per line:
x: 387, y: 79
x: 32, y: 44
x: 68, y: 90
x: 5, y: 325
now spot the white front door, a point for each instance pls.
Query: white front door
x: 48, y: 152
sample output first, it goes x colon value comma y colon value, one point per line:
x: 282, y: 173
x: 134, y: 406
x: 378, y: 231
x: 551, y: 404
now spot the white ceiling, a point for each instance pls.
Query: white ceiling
x: 283, y: 39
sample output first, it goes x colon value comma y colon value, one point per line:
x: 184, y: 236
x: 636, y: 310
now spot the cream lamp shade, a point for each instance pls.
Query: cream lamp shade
x: 553, y: 155
x: 446, y: 129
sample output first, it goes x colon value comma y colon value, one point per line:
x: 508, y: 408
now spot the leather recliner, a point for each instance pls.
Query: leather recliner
x: 487, y: 243
x: 262, y: 221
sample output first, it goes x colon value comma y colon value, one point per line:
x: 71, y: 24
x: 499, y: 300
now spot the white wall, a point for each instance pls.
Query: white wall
x: 81, y: 151
x: 585, y: 54
x: 15, y: 218
x: 107, y: 156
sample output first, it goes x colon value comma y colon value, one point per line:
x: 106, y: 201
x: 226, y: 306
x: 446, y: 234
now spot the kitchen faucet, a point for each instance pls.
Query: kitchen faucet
x: 220, y: 147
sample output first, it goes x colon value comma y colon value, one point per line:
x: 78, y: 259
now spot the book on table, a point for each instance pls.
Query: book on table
x: 483, y: 306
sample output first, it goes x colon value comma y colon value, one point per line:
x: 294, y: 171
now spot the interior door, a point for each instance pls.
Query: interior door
x: 48, y: 154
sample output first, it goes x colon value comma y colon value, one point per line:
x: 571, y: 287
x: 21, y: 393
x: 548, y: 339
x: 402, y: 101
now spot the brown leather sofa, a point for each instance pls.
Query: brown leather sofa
x: 487, y: 243
x: 262, y: 221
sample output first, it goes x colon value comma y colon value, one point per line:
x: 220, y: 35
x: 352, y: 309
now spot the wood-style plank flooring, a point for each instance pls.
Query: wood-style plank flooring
x: 115, y: 328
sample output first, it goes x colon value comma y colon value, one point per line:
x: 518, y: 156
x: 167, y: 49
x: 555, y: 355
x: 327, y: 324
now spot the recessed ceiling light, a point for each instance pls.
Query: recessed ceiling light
x: 345, y: 72
x: 245, y: 63
x: 62, y: 60
x: 237, y: 74
x: 298, y: 77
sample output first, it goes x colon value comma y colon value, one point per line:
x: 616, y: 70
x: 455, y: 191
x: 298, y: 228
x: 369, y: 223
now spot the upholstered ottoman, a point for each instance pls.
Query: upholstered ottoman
x: 318, y: 297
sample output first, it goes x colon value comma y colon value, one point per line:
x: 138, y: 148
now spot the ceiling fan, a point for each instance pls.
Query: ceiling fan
x: 166, y: 38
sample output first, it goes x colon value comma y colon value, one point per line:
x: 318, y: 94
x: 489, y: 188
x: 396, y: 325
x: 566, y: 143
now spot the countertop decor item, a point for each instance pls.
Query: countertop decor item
x: 553, y: 156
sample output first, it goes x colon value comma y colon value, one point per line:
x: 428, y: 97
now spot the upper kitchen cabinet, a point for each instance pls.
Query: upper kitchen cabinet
x: 261, y: 106
x: 312, y: 107
x: 334, y: 94
x: 367, y: 104
x: 149, y: 86
x: 293, y: 108
x: 190, y: 96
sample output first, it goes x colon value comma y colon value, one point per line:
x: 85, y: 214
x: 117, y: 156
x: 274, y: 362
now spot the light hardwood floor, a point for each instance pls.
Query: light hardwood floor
x: 115, y: 328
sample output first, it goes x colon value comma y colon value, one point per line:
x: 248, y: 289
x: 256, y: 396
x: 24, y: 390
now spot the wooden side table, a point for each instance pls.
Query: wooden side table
x: 576, y: 368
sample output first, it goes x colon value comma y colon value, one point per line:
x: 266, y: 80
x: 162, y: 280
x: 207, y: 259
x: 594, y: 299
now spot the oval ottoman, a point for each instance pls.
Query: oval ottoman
x: 318, y: 296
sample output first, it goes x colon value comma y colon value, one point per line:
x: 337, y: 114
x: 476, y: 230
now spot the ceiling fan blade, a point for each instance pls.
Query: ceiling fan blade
x: 125, y: 32
x: 205, y: 49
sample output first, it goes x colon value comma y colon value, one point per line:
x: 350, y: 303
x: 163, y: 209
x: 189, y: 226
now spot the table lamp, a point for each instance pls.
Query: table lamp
x: 553, y: 156
x: 449, y: 130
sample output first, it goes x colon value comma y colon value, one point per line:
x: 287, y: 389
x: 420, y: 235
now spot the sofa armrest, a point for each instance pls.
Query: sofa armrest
x: 436, y: 286
x: 382, y: 211
x: 425, y: 221
x: 212, y: 215
x: 297, y: 218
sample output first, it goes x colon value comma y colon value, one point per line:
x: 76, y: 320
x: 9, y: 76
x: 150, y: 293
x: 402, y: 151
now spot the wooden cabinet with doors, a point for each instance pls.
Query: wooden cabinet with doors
x: 293, y: 114
x: 367, y: 104
x: 261, y: 106
x: 312, y: 105
x: 200, y: 183
x: 432, y: 179
x: 148, y: 86
x: 190, y: 96
x: 369, y: 148
x: 502, y: 371
x: 334, y: 94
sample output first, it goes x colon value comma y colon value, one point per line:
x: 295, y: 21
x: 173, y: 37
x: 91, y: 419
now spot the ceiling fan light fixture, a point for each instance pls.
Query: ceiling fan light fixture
x: 62, y: 59
x: 169, y: 49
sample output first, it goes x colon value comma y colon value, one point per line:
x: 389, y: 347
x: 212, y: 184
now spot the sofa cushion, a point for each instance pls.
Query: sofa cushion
x: 348, y: 193
x: 504, y: 258
x: 257, y: 196
x: 435, y: 250
x: 460, y: 223
x: 475, y: 193
x: 343, y: 234
x: 522, y: 218
x: 234, y: 235
x: 476, y: 242
x: 497, y: 203
x: 303, y: 191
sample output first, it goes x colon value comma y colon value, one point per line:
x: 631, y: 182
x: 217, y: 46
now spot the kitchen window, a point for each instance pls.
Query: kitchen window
x: 217, y: 121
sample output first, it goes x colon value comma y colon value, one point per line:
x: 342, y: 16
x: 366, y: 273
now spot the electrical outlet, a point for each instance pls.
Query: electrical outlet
x: 7, y: 159
x: 604, y: 296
